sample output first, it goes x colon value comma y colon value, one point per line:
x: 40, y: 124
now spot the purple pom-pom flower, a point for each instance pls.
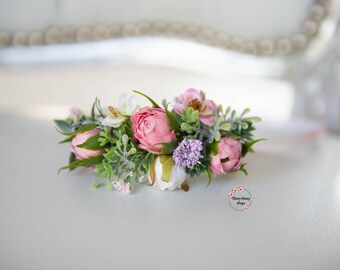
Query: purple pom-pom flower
x: 188, y: 153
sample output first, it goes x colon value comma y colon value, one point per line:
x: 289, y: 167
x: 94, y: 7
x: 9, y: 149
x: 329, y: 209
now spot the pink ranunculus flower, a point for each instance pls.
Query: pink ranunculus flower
x: 228, y: 157
x: 150, y: 129
x: 196, y: 100
x: 83, y: 153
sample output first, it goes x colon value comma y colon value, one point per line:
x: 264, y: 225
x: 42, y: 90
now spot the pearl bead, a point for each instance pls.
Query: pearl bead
x: 310, y: 28
x: 222, y: 40
x: 67, y: 34
x: 35, y: 38
x: 318, y: 12
x: 99, y: 32
x: 5, y: 38
x: 51, y: 36
x: 206, y: 35
x: 191, y: 31
x: 236, y: 44
x: 19, y: 39
x: 175, y: 29
x: 299, y: 41
x: 143, y: 28
x: 129, y: 30
x: 159, y: 27
x: 113, y: 31
x: 284, y: 46
x: 250, y: 48
x: 84, y: 34
x: 266, y: 46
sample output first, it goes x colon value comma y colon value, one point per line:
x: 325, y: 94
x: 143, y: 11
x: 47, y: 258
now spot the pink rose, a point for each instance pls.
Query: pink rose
x: 228, y: 157
x: 196, y: 100
x: 83, y: 153
x: 150, y: 128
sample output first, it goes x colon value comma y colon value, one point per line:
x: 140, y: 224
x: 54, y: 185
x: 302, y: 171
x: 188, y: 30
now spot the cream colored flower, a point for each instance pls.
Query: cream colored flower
x: 177, y: 177
x: 116, y: 116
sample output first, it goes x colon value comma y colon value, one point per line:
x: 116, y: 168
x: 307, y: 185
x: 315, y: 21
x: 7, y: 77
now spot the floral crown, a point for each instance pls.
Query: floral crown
x: 158, y: 145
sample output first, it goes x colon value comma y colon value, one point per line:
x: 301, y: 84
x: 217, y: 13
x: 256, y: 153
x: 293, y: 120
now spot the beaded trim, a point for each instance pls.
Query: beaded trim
x: 69, y: 34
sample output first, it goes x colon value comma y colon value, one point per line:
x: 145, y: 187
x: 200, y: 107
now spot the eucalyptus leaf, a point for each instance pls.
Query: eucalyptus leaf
x: 225, y: 127
x: 63, y: 126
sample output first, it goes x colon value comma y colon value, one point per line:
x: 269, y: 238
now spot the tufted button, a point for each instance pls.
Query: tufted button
x: 129, y: 30
x: 84, y: 34
x: 284, y: 46
x: 266, y: 46
x: 51, y: 35
x: 175, y: 29
x: 310, y: 28
x: 5, y: 38
x: 159, y: 27
x: 299, y: 41
x: 99, y: 32
x: 250, y: 48
x: 67, y: 34
x: 35, y: 38
x: 222, y: 40
x: 191, y: 31
x: 236, y: 44
x: 318, y: 12
x: 114, y: 31
x: 206, y: 36
x: 143, y: 28
x: 20, y: 39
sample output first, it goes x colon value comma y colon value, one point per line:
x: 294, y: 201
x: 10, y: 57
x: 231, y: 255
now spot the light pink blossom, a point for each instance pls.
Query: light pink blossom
x: 75, y: 112
x: 228, y: 157
x: 83, y: 153
x: 122, y: 186
x: 196, y: 100
x: 151, y: 129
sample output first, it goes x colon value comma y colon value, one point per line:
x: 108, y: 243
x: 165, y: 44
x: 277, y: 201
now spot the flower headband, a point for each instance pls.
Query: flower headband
x: 158, y: 145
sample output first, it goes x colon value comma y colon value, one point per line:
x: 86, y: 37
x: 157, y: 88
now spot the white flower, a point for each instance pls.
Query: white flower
x: 116, y: 116
x: 178, y: 176
x: 127, y: 104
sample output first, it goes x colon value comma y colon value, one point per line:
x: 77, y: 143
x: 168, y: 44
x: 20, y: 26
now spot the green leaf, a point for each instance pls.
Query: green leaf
x: 108, y: 185
x: 168, y: 148
x: 95, y: 184
x: 212, y: 148
x: 93, y: 109
x: 225, y: 127
x: 69, y: 139
x: 187, y: 128
x: 208, y: 171
x: 83, y: 163
x: 190, y: 115
x: 243, y: 169
x: 92, y: 143
x: 83, y: 128
x: 154, y: 104
x: 244, y: 125
x: 227, y: 110
x: 247, y: 146
x: 72, y: 158
x: 254, y: 119
x: 217, y: 136
x: 63, y: 126
x: 174, y: 124
x: 245, y: 111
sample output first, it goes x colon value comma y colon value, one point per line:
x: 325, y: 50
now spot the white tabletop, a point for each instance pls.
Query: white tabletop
x: 51, y: 221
